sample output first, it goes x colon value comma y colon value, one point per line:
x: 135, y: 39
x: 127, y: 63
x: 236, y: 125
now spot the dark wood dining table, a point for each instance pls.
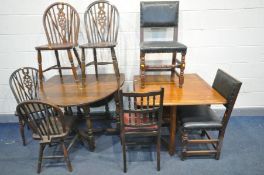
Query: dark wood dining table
x: 195, y: 91
x: 66, y: 92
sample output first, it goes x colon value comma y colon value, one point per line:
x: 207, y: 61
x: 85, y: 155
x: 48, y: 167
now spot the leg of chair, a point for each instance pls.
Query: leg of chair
x: 41, y: 149
x: 40, y: 66
x: 142, y: 69
x: 107, y: 111
x: 173, y: 63
x: 77, y: 57
x: 181, y: 78
x: 58, y: 62
x: 219, y: 145
x: 184, y: 144
x: 124, y: 151
x: 203, y: 133
x: 21, y: 129
x: 66, y: 156
x: 95, y: 62
x: 83, y: 67
x: 72, y: 65
x: 158, y: 152
x: 115, y: 64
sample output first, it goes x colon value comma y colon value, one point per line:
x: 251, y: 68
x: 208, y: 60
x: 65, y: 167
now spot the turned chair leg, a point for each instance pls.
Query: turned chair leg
x: 182, y: 67
x: 95, y: 62
x: 41, y: 150
x: 115, y: 64
x: 58, y: 62
x: 77, y: 56
x: 124, y: 152
x: 158, y: 153
x: 142, y: 69
x: 72, y: 65
x: 173, y: 63
x: 184, y: 145
x: 66, y: 156
x: 22, y: 133
x: 40, y: 66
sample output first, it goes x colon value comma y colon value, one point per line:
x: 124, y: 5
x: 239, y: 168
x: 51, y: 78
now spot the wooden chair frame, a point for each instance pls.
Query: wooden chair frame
x: 61, y: 24
x: 176, y: 63
x: 24, y: 86
x: 144, y: 114
x: 48, y: 125
x: 101, y: 25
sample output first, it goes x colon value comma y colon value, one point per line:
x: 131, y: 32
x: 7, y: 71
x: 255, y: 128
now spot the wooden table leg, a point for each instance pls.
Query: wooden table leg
x: 89, y: 124
x: 172, y: 130
x: 117, y: 111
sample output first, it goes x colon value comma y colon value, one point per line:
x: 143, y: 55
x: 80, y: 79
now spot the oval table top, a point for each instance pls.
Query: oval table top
x: 66, y: 92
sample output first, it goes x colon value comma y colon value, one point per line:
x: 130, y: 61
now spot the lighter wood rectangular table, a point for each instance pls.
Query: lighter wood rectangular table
x: 195, y: 91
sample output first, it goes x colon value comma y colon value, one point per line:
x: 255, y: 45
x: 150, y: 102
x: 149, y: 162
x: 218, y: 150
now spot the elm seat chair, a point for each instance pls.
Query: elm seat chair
x: 161, y: 14
x: 24, y: 86
x: 49, y: 126
x: 140, y: 115
x: 61, y: 23
x: 203, y: 118
x: 101, y: 25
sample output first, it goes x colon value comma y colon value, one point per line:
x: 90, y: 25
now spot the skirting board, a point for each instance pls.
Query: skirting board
x: 257, y: 111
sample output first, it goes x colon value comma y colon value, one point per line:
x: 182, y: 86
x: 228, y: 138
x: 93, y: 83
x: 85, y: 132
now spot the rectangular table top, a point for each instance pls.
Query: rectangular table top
x: 195, y: 90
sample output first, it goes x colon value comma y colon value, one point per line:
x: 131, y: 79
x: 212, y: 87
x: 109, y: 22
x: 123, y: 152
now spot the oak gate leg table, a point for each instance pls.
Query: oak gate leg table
x: 66, y: 92
x: 195, y: 91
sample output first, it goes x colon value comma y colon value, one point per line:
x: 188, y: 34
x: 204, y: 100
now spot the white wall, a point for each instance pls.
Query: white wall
x: 227, y: 34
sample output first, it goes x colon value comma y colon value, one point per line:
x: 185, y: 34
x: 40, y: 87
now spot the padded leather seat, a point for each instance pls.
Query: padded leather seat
x: 162, y: 46
x: 199, y: 117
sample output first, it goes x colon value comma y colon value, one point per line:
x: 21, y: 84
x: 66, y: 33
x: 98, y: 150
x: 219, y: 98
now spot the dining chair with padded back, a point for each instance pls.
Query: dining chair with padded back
x: 194, y: 119
x: 161, y: 14
x: 140, y: 115
x: 49, y: 125
x: 24, y: 86
x: 61, y: 23
x: 101, y: 25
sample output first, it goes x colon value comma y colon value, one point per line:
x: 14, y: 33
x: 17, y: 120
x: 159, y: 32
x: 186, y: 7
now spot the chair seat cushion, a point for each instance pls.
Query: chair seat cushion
x: 60, y: 46
x: 99, y: 45
x: 198, y: 117
x: 137, y: 124
x: 162, y: 46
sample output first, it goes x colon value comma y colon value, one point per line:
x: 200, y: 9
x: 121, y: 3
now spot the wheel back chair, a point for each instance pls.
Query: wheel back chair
x: 61, y: 23
x: 49, y: 125
x: 24, y: 86
x: 101, y: 25
x: 161, y: 14
x: 201, y: 119
x: 140, y: 116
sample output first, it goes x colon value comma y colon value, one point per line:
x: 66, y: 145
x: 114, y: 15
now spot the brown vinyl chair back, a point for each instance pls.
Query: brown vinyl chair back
x: 229, y: 88
x: 141, y: 110
x: 61, y: 23
x: 101, y: 22
x: 24, y: 84
x: 45, y: 120
x: 159, y: 14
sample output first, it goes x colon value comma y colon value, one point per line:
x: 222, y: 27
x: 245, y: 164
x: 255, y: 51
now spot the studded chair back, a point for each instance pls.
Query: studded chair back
x: 229, y: 88
x: 61, y: 23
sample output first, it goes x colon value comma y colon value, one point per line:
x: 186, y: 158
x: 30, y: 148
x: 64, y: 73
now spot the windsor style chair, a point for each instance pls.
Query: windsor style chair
x: 203, y: 118
x: 61, y: 24
x: 101, y: 25
x: 140, y: 115
x: 49, y: 125
x: 24, y: 86
x: 161, y: 14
